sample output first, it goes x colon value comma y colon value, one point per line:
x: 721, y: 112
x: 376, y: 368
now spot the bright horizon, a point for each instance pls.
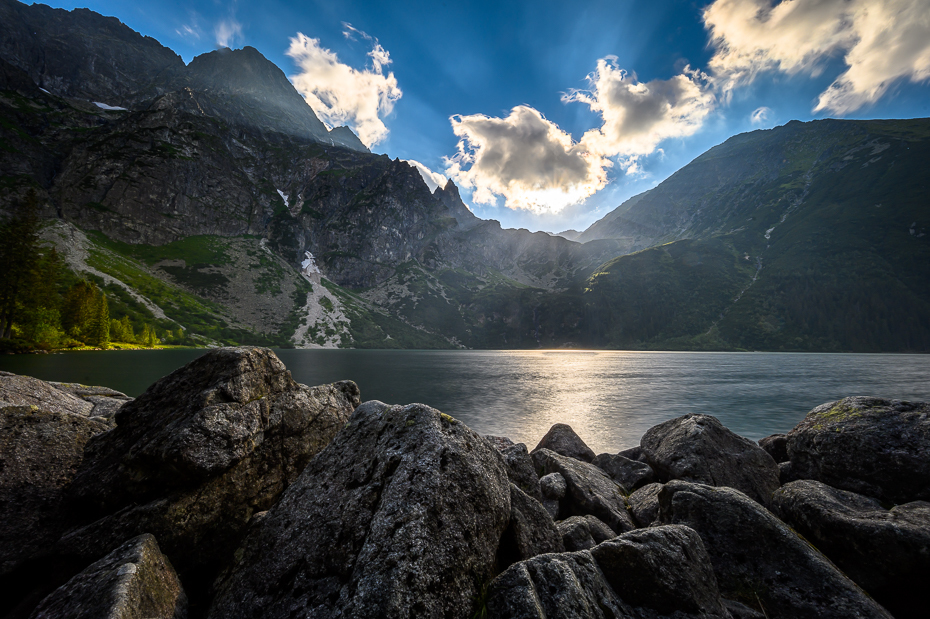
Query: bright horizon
x: 548, y: 116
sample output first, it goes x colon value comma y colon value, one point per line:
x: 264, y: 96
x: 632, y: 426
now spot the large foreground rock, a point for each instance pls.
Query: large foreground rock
x: 401, y: 516
x: 879, y: 448
x: 588, y: 490
x: 630, y: 474
x: 583, y: 532
x: 40, y: 452
x: 887, y: 552
x: 661, y: 571
x: 135, y: 581
x: 698, y: 448
x: 758, y: 560
x: 531, y: 530
x: 194, y: 457
x: 74, y: 398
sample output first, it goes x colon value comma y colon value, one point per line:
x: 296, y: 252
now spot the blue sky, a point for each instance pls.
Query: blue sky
x: 497, y: 95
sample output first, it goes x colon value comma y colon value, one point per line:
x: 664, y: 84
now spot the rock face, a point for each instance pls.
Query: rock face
x: 16, y: 390
x: 194, y: 457
x: 654, y: 572
x: 562, y: 440
x: 758, y: 560
x: 135, y: 581
x: 40, y: 452
x: 879, y: 448
x: 700, y: 449
x: 409, y: 530
x: 588, y: 490
x: 886, y: 552
x: 630, y: 474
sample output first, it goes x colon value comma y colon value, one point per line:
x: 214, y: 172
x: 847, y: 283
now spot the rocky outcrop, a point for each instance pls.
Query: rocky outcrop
x: 630, y: 474
x: 646, y: 574
x: 700, y: 449
x: 135, y: 581
x: 409, y: 529
x: 40, y: 453
x: 562, y: 440
x: 758, y: 560
x: 588, y: 490
x: 202, y: 450
x: 879, y: 448
x: 885, y: 551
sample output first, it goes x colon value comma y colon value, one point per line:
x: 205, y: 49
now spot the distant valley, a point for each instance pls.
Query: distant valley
x: 209, y: 197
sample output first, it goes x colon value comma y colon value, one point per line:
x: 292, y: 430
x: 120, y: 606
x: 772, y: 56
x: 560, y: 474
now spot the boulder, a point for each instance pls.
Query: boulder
x: 698, y: 448
x: 520, y: 470
x: 644, y: 504
x: 40, y: 453
x: 531, y: 530
x: 879, y: 448
x: 562, y: 440
x: 16, y: 390
x: 630, y: 474
x: 411, y: 529
x: 553, y: 489
x: 135, y: 581
x: 202, y: 450
x: 885, y: 551
x: 665, y: 569
x: 106, y: 402
x: 776, y: 446
x: 588, y: 490
x: 758, y: 560
x: 500, y: 442
x: 634, y: 453
x: 583, y: 532
x: 651, y: 573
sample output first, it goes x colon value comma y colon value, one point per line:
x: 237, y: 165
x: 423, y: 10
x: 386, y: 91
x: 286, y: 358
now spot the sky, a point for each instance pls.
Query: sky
x: 548, y: 115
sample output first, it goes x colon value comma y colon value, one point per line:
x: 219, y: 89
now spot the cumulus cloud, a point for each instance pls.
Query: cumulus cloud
x: 228, y: 33
x: 636, y: 115
x: 760, y: 115
x: 343, y: 95
x: 881, y: 42
x: 432, y: 179
x: 525, y: 158
x: 534, y: 165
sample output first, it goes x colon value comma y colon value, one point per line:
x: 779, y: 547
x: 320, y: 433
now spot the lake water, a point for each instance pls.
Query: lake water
x: 609, y: 398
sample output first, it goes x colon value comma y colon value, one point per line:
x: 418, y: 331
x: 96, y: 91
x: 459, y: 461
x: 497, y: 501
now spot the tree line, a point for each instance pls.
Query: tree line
x: 40, y: 309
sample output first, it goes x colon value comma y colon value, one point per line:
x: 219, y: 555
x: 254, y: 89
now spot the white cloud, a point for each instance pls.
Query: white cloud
x: 228, y: 33
x: 881, y: 42
x: 432, y: 179
x: 341, y: 94
x: 526, y: 159
x: 760, y: 115
x: 189, y: 31
x: 636, y: 115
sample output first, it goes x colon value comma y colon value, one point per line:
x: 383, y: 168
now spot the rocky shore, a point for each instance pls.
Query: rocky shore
x: 228, y: 490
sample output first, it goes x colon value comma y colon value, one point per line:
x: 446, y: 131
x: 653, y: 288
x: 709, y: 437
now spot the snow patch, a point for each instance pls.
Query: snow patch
x: 308, y: 266
x: 284, y: 197
x: 768, y: 233
x: 112, y: 108
x: 45, y: 91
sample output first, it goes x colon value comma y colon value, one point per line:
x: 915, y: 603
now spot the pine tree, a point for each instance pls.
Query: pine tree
x: 100, y: 322
x: 80, y: 309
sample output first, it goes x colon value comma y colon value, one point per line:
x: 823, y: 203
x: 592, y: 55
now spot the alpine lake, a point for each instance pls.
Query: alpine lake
x: 610, y: 398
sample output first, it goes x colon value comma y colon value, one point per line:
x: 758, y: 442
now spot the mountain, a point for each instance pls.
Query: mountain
x: 820, y: 235
x: 216, y: 201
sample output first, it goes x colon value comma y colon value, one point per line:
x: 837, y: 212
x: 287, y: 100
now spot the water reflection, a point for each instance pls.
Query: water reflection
x: 609, y: 398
